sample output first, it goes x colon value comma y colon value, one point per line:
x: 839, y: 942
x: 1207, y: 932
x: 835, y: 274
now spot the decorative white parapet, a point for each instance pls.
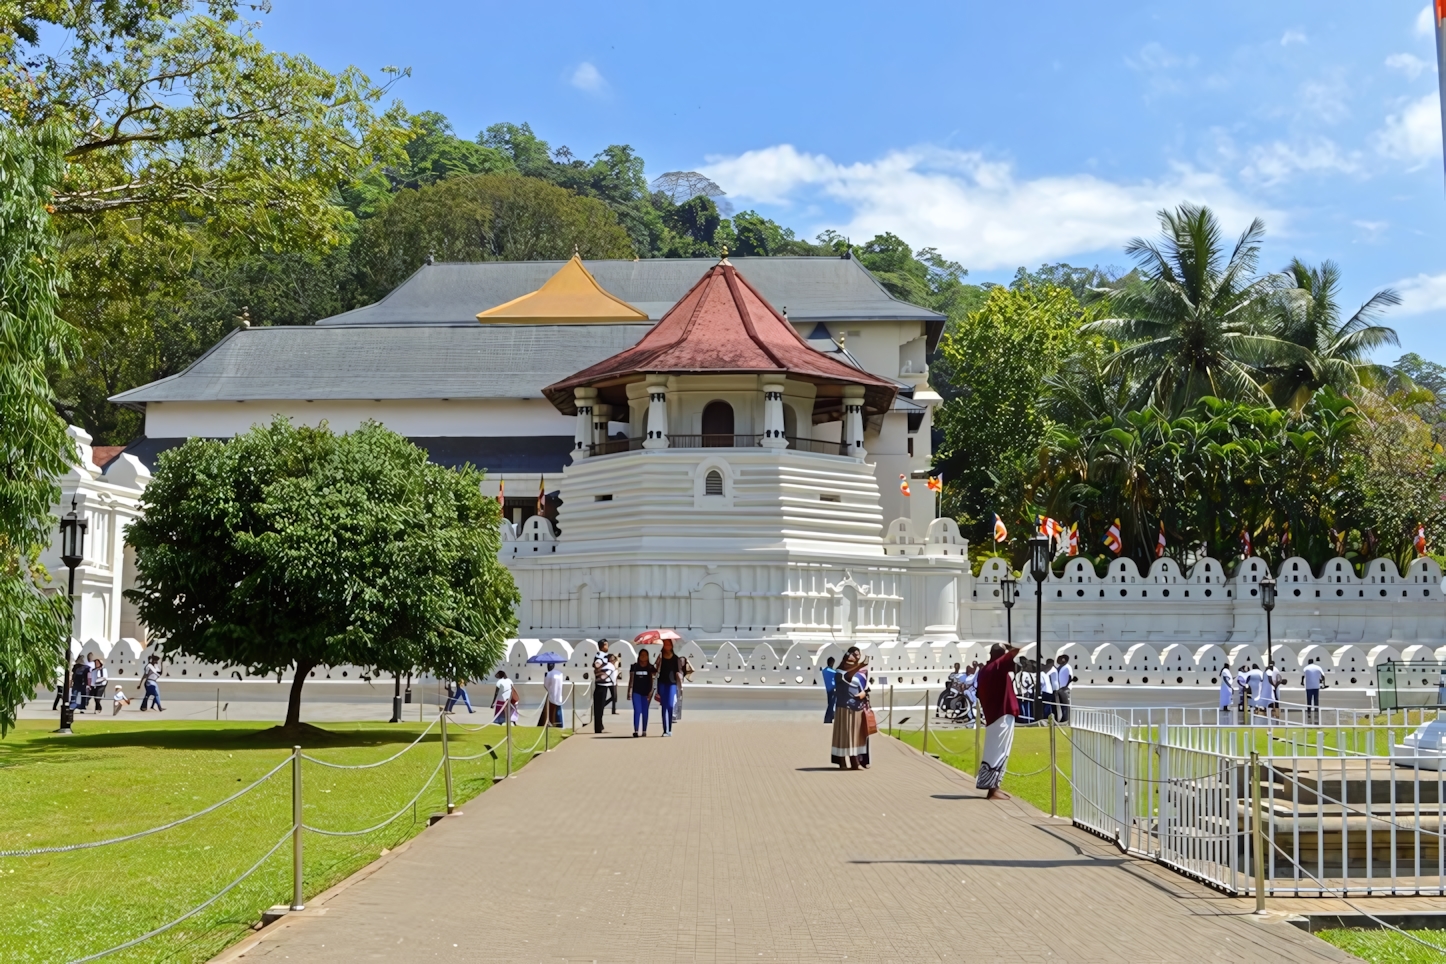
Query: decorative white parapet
x: 657, y: 437
x: 583, y: 434
x: 853, y: 396
x: 773, y: 433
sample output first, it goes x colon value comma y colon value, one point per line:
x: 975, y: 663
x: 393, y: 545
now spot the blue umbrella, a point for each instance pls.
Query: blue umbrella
x: 542, y: 658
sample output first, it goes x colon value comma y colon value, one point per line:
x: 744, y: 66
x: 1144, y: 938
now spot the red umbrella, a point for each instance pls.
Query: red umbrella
x: 651, y: 637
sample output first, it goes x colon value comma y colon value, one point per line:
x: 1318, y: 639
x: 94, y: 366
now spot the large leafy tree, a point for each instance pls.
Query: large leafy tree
x: 296, y: 548
x: 33, y: 444
x: 1332, y: 351
x: 1195, y: 323
x: 483, y: 217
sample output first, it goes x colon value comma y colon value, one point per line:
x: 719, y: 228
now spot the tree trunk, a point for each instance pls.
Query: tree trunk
x: 293, y: 703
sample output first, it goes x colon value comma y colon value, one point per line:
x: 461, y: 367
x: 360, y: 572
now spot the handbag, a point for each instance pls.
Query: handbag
x: 870, y: 720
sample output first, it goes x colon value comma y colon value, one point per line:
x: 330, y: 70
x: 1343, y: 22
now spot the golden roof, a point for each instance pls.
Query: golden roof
x: 572, y: 296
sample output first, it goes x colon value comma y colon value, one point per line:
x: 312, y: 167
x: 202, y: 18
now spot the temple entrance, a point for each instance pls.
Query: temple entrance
x: 718, y: 425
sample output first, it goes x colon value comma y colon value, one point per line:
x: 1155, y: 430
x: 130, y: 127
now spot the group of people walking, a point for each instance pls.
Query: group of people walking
x: 89, y: 681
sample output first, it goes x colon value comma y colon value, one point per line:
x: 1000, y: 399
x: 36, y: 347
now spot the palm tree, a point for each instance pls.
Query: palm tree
x: 1308, y: 316
x: 1195, y: 323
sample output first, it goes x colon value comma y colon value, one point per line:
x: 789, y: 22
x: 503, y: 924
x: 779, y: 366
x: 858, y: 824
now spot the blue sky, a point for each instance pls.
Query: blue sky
x: 1002, y: 134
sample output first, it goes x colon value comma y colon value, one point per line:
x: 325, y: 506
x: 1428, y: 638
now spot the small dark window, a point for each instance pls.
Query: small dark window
x: 602, y: 498
x: 718, y: 426
x: 829, y: 497
x: 713, y: 483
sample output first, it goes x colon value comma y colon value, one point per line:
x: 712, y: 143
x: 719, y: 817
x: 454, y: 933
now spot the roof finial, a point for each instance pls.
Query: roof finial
x: 431, y: 257
x: 723, y: 258
x: 575, y: 252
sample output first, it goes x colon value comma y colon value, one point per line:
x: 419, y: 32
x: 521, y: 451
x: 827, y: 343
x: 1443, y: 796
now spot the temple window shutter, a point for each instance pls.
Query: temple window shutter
x: 713, y: 483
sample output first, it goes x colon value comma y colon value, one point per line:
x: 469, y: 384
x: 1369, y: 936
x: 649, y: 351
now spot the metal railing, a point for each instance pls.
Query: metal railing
x: 711, y: 441
x: 1263, y: 810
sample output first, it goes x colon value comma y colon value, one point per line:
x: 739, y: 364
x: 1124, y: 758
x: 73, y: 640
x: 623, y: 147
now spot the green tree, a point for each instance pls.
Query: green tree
x: 298, y: 548
x: 997, y: 358
x: 1333, y: 351
x: 34, y: 449
x: 482, y: 217
x: 1195, y: 323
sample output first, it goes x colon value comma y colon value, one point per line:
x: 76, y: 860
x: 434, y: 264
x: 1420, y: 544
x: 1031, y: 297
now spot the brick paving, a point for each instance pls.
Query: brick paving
x: 738, y: 842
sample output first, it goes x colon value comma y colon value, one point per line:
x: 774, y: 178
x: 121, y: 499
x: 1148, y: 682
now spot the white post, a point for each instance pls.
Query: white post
x: 773, y: 414
x: 601, y: 415
x: 854, y: 421
x: 583, y: 434
x: 657, y: 437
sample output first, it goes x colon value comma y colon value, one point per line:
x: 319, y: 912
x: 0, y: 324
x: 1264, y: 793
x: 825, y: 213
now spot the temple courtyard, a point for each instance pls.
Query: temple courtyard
x: 738, y: 842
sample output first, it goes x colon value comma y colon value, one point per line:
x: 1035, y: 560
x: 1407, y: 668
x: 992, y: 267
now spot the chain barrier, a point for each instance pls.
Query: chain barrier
x: 146, y: 833
x: 369, y: 766
x: 405, y: 807
x: 190, y: 913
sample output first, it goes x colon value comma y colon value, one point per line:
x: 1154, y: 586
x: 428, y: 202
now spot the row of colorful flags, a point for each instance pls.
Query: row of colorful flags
x: 1069, y: 538
x: 541, y: 493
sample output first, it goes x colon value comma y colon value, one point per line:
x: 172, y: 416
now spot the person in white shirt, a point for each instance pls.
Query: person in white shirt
x: 1046, y: 690
x: 1312, y: 678
x: 151, y: 684
x: 552, y: 683
x: 1227, y: 688
x: 118, y: 700
x: 504, y: 700
x: 1063, y: 677
x: 98, y: 678
x: 604, y: 682
x: 1267, y: 703
x: 1254, y: 680
x: 1242, y: 685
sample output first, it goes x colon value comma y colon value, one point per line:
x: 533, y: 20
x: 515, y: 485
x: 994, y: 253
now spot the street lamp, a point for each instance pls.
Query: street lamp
x: 1039, y: 553
x: 1267, y: 602
x: 396, y: 698
x: 72, y: 552
x: 1007, y: 586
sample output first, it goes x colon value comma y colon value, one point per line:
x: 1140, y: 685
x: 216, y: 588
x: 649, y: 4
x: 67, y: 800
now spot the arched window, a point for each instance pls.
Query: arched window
x: 713, y: 483
x: 790, y: 422
x: 718, y: 426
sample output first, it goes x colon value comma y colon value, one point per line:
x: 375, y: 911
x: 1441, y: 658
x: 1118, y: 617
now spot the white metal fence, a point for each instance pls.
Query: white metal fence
x: 1337, y: 810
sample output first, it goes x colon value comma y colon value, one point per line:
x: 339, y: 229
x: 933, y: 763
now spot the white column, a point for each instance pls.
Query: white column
x: 657, y: 436
x: 854, y: 421
x: 601, y: 415
x: 582, y: 434
x: 773, y: 414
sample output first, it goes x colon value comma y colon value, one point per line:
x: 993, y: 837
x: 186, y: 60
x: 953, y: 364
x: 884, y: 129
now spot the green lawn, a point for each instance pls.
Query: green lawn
x: 116, y: 778
x: 1387, y: 947
x: 1029, y: 755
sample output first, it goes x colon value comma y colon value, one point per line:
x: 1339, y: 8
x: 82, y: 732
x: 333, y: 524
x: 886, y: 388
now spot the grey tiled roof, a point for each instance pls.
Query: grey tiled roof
x: 428, y: 361
x: 810, y: 289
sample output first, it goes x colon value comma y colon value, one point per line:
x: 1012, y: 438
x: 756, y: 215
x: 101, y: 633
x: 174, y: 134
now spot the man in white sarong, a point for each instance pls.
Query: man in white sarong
x: 1000, y: 705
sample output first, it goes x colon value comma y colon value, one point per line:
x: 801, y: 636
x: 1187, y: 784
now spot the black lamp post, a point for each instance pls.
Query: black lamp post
x: 1267, y: 602
x: 1039, y: 552
x: 1007, y: 586
x: 72, y: 553
x: 396, y: 698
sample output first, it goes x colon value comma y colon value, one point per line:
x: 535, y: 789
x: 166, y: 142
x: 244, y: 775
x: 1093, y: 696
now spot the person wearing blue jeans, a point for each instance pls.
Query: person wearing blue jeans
x: 640, y: 690
x: 151, y: 680
x: 829, y: 675
x: 670, y: 671
x: 459, y: 692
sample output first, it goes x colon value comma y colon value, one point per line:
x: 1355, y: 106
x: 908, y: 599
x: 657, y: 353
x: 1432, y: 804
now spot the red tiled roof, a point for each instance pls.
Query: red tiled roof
x: 724, y: 326
x: 103, y: 455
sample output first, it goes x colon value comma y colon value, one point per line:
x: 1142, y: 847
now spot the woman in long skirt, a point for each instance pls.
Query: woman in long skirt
x: 850, y: 723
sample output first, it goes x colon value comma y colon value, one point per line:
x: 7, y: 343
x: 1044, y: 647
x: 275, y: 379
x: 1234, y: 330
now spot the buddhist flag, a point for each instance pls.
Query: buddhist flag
x: 1285, y: 537
x: 1000, y: 533
x: 1073, y: 540
x: 1438, y: 19
x: 501, y: 484
x: 936, y: 483
x: 541, y: 495
x: 1160, y: 542
x: 1245, y: 542
x: 904, y: 484
x: 1049, y: 527
x: 1112, y: 538
x: 1421, y: 529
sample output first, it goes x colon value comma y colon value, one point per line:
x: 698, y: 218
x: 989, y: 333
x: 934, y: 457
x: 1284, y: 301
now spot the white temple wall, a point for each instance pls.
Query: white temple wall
x: 413, y: 417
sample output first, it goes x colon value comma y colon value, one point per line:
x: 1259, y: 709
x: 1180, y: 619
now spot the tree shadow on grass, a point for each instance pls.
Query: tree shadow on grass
x: 181, y: 736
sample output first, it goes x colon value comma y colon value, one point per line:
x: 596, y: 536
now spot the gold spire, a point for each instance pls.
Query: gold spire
x: 571, y: 296
x: 723, y: 258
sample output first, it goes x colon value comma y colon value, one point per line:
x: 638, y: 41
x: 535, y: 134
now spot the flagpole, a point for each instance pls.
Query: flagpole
x: 1438, y: 8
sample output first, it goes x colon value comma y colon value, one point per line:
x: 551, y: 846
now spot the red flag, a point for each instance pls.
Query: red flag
x: 1160, y: 543
x: 541, y: 496
x: 904, y: 484
x: 1112, y: 538
x: 1421, y: 529
x: 936, y: 483
x: 1074, y: 539
x: 1000, y: 533
x: 1245, y: 541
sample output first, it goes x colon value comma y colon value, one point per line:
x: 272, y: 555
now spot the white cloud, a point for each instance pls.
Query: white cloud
x: 1292, y: 37
x: 1414, y: 134
x: 1276, y: 162
x: 1425, y: 292
x: 1425, y: 23
x: 589, y: 78
x: 1408, y: 64
x: 973, y: 209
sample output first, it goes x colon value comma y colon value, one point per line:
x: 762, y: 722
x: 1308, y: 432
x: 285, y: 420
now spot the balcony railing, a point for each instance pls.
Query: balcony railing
x: 718, y: 442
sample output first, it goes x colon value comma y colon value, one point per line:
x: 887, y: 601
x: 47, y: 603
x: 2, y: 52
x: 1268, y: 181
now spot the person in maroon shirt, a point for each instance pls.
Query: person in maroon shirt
x: 1000, y: 706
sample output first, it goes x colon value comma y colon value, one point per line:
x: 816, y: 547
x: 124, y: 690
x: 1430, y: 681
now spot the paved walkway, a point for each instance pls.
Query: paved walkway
x: 737, y: 842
